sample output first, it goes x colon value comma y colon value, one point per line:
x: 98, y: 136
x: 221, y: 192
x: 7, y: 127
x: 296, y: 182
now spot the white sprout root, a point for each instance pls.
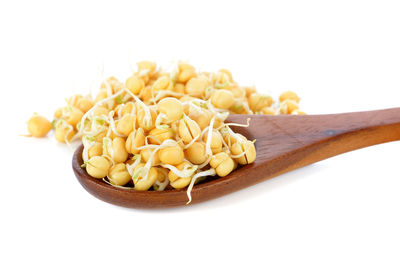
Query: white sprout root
x: 210, y: 172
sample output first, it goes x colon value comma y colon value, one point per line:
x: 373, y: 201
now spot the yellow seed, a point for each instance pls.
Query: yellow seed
x: 96, y: 150
x: 38, y: 126
x: 247, y: 147
x: 113, y: 84
x: 134, y: 84
x: 144, y: 184
x: 99, y: 137
x: 98, y: 167
x: 74, y: 116
x: 288, y: 106
x: 160, y: 135
x: 230, y: 140
x: 185, y: 66
x: 238, y: 92
x: 238, y: 107
x: 162, y: 174
x: 196, y: 153
x: 146, y: 125
x: 249, y: 90
x: 84, y: 104
x: 186, y: 74
x: 146, y: 153
x: 228, y: 73
x: 222, y: 99
x: 221, y: 79
x: 202, y: 118
x: 147, y: 93
x: 257, y: 101
x: 216, y: 142
x: 58, y: 113
x: 172, y: 108
x: 147, y: 65
x: 188, y: 130
x: 172, y: 155
x: 135, y: 140
x: 289, y: 95
x: 163, y: 83
x: 63, y: 132
x: 179, y: 88
x: 123, y: 109
x: 196, y: 86
x: 176, y: 181
x: 101, y: 95
x: 126, y: 124
x: 222, y: 163
x: 119, y: 151
x: 268, y: 111
x: 186, y: 98
x: 119, y: 175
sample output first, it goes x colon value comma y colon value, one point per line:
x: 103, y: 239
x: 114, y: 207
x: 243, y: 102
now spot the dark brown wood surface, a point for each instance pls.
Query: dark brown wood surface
x: 284, y: 143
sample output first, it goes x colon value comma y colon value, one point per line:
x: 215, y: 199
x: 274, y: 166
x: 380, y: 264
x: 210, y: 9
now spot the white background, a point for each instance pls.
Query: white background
x: 339, y: 56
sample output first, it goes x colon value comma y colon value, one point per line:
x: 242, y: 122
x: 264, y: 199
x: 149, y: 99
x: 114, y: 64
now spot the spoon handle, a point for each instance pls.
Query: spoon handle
x: 351, y: 131
x: 289, y: 142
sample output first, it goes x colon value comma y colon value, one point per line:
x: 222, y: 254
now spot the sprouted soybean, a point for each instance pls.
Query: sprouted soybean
x: 162, y: 130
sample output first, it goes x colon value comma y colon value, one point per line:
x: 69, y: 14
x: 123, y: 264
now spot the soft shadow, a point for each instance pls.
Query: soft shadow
x: 246, y: 194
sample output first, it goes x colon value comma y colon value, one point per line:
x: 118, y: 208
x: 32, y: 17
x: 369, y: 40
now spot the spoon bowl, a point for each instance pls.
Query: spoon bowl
x: 284, y: 143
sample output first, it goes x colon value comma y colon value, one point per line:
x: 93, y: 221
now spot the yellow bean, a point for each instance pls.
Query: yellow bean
x: 98, y: 167
x: 188, y: 130
x: 84, y: 104
x: 196, y: 86
x: 134, y: 84
x: 160, y: 135
x: 268, y: 111
x: 144, y: 184
x: 257, y: 101
x: 96, y: 150
x: 119, y: 151
x: 222, y: 163
x: 146, y: 125
x: 135, y: 140
x: 288, y: 106
x: 172, y: 108
x: 74, y: 116
x: 172, y: 155
x: 179, y: 88
x: 126, y: 124
x: 222, y: 99
x: 248, y: 148
x: 38, y: 126
x: 216, y: 142
x: 202, y: 118
x: 289, y: 95
x: 119, y: 175
x: 63, y: 132
x: 163, y: 83
x: 176, y: 181
x: 146, y: 153
x: 196, y: 153
x: 58, y: 113
x: 186, y: 72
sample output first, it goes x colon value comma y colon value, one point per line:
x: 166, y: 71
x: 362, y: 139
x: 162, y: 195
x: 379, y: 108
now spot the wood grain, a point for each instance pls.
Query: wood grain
x: 284, y: 143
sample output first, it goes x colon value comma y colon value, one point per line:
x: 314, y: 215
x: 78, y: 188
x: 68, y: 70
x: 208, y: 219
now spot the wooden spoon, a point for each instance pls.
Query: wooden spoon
x: 284, y: 143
